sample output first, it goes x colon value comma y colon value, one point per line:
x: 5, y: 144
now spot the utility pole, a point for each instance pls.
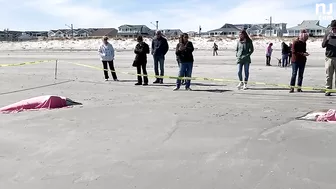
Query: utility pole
x: 199, y: 31
x: 72, y: 30
x: 157, y: 25
x: 270, y: 26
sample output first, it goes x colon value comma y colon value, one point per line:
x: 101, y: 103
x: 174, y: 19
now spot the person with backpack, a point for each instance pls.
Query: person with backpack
x: 141, y: 50
x: 284, y: 51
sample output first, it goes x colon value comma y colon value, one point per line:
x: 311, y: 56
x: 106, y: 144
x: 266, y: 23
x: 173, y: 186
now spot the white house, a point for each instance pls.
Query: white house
x: 312, y: 26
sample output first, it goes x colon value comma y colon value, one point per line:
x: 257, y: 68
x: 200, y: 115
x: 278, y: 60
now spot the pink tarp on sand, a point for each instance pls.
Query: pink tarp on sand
x: 330, y: 116
x: 41, y: 102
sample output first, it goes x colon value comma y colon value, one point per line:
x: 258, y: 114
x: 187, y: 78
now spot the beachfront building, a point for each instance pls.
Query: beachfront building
x: 100, y: 32
x: 134, y: 30
x: 267, y: 29
x: 313, y: 27
x: 171, y: 32
x: 226, y: 30
x: 192, y: 33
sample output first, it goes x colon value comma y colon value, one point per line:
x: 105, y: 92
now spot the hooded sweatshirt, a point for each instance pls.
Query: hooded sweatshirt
x: 106, y: 52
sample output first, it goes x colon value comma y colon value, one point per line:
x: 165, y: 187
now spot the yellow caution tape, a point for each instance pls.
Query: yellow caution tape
x: 24, y: 63
x: 212, y: 79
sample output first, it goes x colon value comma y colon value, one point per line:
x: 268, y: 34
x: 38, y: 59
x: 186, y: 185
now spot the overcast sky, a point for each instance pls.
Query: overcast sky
x: 186, y: 15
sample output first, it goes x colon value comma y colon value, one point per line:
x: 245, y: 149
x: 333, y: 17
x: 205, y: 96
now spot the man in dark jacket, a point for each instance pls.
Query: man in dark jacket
x: 141, y: 50
x: 329, y: 42
x: 159, y: 49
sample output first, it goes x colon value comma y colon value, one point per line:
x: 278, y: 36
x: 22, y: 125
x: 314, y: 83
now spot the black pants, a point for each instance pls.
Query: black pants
x: 215, y: 53
x: 297, y: 67
x: 289, y: 59
x: 144, y: 72
x: 110, y: 63
x: 268, y: 60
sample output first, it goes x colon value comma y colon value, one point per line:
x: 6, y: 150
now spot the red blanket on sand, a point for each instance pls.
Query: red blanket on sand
x: 41, y: 102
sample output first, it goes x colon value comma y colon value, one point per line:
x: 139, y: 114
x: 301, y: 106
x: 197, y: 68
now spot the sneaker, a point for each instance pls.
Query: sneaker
x: 240, y: 85
x: 291, y: 90
x: 156, y: 81
x: 299, y: 90
x: 327, y: 94
x: 138, y: 84
x: 177, y: 88
x: 245, y: 86
x: 115, y: 79
x: 161, y: 81
x: 145, y: 84
x: 188, y: 89
x: 106, y: 79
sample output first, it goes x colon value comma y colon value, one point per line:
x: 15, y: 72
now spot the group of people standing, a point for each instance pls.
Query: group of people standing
x: 159, y: 48
x: 295, y: 54
x: 286, y: 54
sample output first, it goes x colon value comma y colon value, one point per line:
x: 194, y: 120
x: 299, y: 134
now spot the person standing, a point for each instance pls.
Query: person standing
x: 284, y: 52
x: 329, y: 43
x: 159, y: 49
x: 106, y: 52
x: 269, y: 51
x: 244, y: 51
x: 177, y: 54
x: 215, y: 49
x: 141, y: 50
x: 299, y: 59
x: 185, y: 54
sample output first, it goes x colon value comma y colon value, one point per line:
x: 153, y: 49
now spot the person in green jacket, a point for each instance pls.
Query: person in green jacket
x: 243, y: 52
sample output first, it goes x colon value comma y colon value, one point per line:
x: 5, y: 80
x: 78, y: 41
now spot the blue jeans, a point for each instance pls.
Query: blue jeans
x: 284, y: 59
x: 246, y: 71
x: 185, y: 71
x: 159, y: 59
x: 297, y: 67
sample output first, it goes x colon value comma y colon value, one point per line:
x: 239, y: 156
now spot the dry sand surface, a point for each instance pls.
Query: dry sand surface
x: 127, y: 136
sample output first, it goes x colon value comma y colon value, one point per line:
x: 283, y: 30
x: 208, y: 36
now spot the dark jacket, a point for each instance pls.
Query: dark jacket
x: 177, y: 56
x: 298, y: 48
x: 185, y: 55
x: 244, y: 51
x: 330, y: 45
x: 159, y: 46
x: 285, y: 48
x: 141, y: 50
x: 290, y: 50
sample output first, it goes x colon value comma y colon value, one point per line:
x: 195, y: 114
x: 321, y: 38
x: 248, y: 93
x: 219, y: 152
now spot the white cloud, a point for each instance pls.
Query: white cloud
x: 187, y: 15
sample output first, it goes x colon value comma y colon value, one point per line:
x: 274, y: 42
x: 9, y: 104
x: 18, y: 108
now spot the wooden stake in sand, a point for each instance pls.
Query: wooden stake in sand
x: 56, y: 70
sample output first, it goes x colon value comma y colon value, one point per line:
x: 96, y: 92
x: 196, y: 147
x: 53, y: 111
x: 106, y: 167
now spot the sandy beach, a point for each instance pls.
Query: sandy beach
x: 151, y: 137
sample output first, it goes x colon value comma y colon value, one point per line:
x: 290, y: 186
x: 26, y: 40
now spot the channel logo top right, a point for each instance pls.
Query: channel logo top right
x: 324, y: 12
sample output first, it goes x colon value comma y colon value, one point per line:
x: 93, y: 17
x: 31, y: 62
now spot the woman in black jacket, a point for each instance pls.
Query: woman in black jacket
x: 141, y: 50
x: 177, y: 56
x: 184, y: 52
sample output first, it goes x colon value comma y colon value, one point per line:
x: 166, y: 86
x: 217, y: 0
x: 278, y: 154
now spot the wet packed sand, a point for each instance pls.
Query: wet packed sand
x: 127, y: 136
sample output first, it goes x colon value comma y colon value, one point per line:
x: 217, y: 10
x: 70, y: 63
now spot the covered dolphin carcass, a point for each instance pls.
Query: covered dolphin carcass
x: 40, y: 102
